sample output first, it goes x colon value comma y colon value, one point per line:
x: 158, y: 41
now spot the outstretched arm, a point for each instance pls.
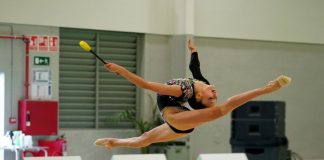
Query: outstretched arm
x: 194, y: 64
x: 163, y: 89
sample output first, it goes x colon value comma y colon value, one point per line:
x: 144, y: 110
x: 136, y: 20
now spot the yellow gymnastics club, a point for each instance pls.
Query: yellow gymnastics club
x: 87, y: 48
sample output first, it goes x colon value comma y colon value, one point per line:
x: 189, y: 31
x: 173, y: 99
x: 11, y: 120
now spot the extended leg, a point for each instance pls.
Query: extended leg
x: 160, y: 133
x: 191, y: 119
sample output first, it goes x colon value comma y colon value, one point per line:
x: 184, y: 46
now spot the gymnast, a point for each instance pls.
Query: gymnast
x: 179, y: 120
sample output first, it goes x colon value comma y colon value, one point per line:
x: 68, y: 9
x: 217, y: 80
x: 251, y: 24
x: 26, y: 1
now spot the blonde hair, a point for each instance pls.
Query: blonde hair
x: 198, y: 87
x: 200, y: 83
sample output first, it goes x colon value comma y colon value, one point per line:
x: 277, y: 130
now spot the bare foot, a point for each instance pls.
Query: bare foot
x: 105, y: 142
x: 278, y: 83
x: 283, y: 80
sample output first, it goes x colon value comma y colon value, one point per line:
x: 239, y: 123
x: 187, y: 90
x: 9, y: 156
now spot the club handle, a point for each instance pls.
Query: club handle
x: 98, y: 57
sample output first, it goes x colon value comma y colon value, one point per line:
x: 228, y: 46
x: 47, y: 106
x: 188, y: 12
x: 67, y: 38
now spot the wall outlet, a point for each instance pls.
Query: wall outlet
x: 12, y: 120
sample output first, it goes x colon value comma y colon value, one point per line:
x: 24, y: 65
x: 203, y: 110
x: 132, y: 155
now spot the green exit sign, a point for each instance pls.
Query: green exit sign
x: 41, y: 61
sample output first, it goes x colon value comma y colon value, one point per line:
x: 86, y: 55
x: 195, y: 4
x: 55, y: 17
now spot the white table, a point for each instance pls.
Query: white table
x: 54, y: 158
x: 19, y: 150
x: 139, y: 157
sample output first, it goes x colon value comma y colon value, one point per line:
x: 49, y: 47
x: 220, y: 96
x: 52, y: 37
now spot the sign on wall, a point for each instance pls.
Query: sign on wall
x: 44, y: 43
x: 41, y: 60
x: 41, y: 87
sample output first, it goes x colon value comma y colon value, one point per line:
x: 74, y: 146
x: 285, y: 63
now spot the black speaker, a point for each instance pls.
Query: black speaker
x: 273, y: 142
x: 257, y: 130
x: 260, y: 110
x: 263, y: 152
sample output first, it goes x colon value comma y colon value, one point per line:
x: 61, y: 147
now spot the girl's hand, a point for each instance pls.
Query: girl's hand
x: 112, y: 67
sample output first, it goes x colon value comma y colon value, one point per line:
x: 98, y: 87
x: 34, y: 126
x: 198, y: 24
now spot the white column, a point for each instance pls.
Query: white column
x: 189, y: 17
x: 184, y: 20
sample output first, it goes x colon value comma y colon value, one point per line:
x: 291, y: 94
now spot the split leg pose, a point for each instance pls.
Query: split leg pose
x: 180, y: 121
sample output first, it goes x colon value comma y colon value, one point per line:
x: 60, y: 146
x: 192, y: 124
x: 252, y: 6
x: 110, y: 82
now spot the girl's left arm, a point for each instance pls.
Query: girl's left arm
x: 163, y: 89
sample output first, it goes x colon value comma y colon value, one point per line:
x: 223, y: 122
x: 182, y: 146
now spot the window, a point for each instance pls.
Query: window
x: 90, y: 96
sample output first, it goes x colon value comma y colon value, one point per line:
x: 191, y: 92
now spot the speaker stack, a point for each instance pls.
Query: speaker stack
x: 258, y: 129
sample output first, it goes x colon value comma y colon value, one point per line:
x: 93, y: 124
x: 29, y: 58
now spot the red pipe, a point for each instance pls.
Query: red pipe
x: 26, y: 41
x: 12, y: 37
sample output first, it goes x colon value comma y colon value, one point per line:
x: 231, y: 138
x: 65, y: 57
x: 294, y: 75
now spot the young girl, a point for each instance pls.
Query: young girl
x: 180, y: 121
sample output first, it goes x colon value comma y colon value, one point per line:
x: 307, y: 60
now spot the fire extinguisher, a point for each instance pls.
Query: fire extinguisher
x: 62, y: 138
x: 28, y: 119
x: 64, y: 148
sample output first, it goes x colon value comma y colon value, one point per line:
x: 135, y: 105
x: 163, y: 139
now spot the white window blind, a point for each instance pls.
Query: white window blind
x: 90, y: 96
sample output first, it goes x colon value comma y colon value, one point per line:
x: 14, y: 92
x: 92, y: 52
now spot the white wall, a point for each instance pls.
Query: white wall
x: 12, y: 63
x: 232, y: 65
x: 118, y: 15
x: 276, y: 20
x: 155, y: 67
x: 234, y: 60
x: 156, y: 53
x: 235, y: 66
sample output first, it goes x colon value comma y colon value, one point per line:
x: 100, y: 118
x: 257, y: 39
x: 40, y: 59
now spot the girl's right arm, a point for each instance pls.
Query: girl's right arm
x: 194, y: 64
x: 163, y: 89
